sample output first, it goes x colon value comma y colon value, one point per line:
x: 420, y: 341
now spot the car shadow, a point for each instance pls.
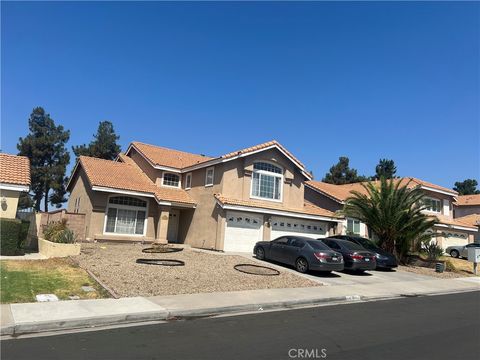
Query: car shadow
x: 323, y: 274
x: 356, y: 273
x: 386, y: 270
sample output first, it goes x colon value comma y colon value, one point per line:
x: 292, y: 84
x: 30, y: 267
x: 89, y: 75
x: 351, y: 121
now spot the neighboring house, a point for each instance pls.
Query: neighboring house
x: 466, y: 205
x: 14, y: 179
x: 439, y: 200
x: 228, y: 202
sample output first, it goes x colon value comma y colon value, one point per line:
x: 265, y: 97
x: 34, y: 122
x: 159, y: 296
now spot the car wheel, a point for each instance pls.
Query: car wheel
x: 454, y: 253
x: 260, y: 253
x: 301, y: 265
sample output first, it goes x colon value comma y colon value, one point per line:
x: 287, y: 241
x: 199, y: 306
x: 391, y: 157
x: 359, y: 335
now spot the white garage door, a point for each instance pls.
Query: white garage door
x: 242, y: 231
x: 282, y: 226
x: 454, y: 239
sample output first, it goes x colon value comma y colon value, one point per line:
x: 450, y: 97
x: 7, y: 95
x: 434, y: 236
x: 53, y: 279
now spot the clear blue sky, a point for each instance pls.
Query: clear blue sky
x: 366, y: 80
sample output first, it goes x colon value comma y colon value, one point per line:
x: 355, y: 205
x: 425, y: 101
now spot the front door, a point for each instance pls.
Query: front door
x: 172, y: 231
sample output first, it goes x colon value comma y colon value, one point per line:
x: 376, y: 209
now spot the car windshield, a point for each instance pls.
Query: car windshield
x: 367, y: 244
x: 317, y: 245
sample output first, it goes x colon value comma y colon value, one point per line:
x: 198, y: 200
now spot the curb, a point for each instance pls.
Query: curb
x: 98, y: 321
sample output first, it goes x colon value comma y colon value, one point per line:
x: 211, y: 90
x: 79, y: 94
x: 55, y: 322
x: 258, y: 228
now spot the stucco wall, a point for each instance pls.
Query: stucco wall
x: 442, y: 198
x: 237, y: 179
x: 460, y: 211
x: 199, y: 227
x: 8, y: 210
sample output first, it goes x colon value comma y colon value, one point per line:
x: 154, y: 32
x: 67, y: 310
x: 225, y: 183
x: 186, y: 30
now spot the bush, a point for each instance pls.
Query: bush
x: 432, y: 250
x: 449, y: 266
x: 13, y: 234
x: 58, y: 232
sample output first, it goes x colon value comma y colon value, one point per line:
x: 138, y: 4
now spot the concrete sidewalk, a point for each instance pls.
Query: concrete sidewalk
x: 19, y: 319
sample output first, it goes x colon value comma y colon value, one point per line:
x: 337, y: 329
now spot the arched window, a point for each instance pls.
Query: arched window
x: 170, y: 179
x: 267, y: 181
x: 126, y: 215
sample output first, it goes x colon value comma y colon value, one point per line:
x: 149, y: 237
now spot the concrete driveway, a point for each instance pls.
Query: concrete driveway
x: 347, y: 278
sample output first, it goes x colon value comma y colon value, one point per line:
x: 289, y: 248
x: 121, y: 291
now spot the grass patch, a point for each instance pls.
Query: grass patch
x: 21, y: 280
x: 462, y: 266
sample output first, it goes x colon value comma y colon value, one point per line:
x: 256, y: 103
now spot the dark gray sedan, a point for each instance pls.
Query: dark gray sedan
x: 301, y: 252
x: 355, y: 256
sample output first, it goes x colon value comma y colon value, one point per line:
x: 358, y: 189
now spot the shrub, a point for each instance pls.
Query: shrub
x: 66, y: 237
x: 13, y: 234
x: 449, y: 266
x: 432, y: 250
x: 58, y: 232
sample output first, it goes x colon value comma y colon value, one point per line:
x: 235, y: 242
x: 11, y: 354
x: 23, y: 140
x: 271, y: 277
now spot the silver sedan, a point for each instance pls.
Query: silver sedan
x: 460, y: 250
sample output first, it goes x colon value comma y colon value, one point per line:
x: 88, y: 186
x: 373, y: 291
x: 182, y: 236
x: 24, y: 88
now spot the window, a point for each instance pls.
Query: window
x: 171, y: 179
x: 353, y: 226
x: 188, y: 181
x: 267, y: 181
x: 433, y: 205
x: 126, y: 215
x: 209, y: 177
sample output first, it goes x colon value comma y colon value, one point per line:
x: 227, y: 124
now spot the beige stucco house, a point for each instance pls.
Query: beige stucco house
x: 14, y: 179
x: 226, y: 202
x: 449, y: 231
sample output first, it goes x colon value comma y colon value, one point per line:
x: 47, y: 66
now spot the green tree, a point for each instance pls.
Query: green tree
x: 341, y: 173
x: 467, y: 187
x: 104, y: 144
x: 45, y: 147
x: 393, y: 212
x: 386, y: 168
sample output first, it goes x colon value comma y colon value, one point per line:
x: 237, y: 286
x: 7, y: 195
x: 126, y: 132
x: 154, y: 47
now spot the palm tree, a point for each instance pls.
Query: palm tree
x: 393, y: 212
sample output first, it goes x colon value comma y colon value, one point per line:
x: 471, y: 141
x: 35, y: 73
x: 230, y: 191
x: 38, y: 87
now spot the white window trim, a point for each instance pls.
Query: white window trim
x: 126, y: 207
x: 354, y: 221
x: 432, y: 211
x: 188, y: 187
x: 172, y: 186
x: 269, y: 174
x: 206, y: 176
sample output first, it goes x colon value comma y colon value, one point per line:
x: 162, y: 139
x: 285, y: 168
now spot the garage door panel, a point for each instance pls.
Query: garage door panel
x: 242, y: 231
x: 290, y: 226
x: 454, y: 239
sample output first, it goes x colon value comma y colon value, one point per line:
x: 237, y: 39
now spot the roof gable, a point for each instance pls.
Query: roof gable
x: 14, y: 169
x: 183, y: 161
x: 125, y: 175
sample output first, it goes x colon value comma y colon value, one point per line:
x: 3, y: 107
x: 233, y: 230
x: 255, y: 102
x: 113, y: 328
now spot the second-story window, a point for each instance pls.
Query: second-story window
x: 188, y: 181
x: 171, y: 179
x: 209, y: 177
x: 267, y: 180
x: 433, y: 205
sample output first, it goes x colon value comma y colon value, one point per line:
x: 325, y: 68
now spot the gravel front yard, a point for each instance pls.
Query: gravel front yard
x: 114, y: 264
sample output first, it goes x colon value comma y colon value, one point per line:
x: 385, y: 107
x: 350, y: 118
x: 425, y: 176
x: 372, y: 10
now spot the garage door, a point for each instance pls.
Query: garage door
x: 282, y: 226
x: 242, y: 231
x: 454, y: 239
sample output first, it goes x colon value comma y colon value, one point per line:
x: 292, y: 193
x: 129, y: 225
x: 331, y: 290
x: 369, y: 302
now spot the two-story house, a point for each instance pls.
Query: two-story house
x: 439, y: 203
x: 227, y: 202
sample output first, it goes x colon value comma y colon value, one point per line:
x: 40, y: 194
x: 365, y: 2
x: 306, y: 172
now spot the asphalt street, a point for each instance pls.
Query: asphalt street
x: 433, y: 327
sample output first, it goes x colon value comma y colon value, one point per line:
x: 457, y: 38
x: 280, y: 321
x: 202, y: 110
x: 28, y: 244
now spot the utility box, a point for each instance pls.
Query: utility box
x: 474, y: 254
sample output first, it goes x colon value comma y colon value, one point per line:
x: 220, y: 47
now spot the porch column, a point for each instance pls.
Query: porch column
x: 162, y: 226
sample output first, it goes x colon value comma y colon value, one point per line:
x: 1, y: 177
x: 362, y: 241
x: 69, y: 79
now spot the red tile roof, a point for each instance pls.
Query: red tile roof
x: 126, y: 175
x: 161, y: 156
x: 308, y: 209
x: 341, y: 192
x: 470, y: 220
x: 468, y: 200
x: 14, y: 169
x: 446, y: 220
